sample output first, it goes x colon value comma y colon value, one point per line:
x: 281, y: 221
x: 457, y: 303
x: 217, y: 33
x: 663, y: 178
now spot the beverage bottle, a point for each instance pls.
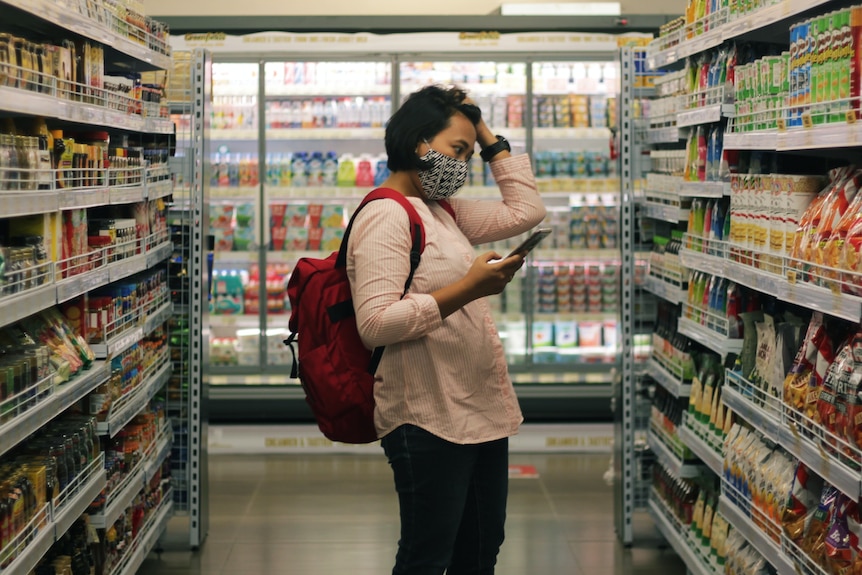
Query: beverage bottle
x: 298, y: 173
x: 364, y: 174
x: 330, y: 170
x: 381, y: 173
x: 346, y: 172
x: 314, y: 169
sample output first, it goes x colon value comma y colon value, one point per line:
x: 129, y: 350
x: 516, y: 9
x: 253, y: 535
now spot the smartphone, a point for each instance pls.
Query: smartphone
x: 531, y: 242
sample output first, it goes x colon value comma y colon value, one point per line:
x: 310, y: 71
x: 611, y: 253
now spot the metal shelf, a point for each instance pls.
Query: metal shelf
x: 665, y: 212
x: 18, y: 306
x: 132, y: 404
x: 22, y: 426
x: 703, y: 450
x: 705, y: 189
x: 765, y: 140
x: 742, y: 24
x: 78, y: 495
x: 672, y: 293
x: 40, y: 539
x: 35, y: 104
x: 148, y: 537
x: 820, y: 462
x: 59, y: 15
x: 711, y: 339
x: 662, y: 518
x: 753, y: 414
x: 704, y: 115
x: 757, y: 538
x: 667, y: 380
x: 29, y: 203
x: 671, y: 461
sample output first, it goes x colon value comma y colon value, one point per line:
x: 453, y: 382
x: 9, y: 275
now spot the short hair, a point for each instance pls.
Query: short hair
x: 423, y: 115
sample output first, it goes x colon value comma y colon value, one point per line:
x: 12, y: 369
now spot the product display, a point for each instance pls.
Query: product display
x: 771, y: 274
x: 85, y: 145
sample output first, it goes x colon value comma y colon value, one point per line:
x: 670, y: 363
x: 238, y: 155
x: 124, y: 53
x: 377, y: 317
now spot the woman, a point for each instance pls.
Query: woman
x: 445, y: 405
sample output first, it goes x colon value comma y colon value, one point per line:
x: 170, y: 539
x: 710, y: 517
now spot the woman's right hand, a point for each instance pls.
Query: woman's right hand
x: 489, y: 274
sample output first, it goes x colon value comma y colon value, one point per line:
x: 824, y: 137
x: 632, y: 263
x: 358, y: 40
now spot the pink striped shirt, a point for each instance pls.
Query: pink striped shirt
x: 447, y: 376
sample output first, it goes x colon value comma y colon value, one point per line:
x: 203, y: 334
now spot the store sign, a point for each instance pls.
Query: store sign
x: 429, y: 42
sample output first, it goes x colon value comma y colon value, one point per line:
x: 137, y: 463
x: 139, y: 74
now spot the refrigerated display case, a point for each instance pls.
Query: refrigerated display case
x: 297, y: 141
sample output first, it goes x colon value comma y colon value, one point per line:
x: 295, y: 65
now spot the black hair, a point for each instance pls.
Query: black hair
x: 423, y: 115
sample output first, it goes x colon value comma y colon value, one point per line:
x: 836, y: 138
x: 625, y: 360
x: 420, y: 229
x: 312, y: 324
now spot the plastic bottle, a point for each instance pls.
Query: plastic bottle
x: 364, y: 173
x: 314, y: 169
x: 329, y: 176
x: 346, y: 171
x: 284, y: 171
x: 298, y: 173
x: 381, y: 173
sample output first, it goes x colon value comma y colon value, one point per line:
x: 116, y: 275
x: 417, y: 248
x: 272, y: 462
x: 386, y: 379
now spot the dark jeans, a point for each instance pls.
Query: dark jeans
x: 453, y: 502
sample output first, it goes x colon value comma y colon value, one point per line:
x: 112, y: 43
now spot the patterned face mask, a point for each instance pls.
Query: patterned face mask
x: 445, y: 178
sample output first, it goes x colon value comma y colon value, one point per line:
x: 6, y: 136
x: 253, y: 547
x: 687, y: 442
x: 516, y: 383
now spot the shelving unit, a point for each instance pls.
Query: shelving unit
x: 57, y: 285
x: 768, y: 273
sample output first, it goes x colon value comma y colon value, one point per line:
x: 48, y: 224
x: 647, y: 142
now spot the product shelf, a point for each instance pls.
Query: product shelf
x: 76, y: 498
x: 754, y: 535
x: 807, y: 445
x: 668, y: 457
x: 84, y: 198
x: 713, y: 340
x: 785, y: 287
x: 31, y: 202
x: 30, y: 545
x: 125, y: 409
x: 730, y: 27
x: 30, y: 103
x: 703, y: 450
x: 704, y: 189
x: 760, y: 140
x: 124, y: 493
x: 672, y: 213
x: 704, y: 115
x: 665, y: 290
x: 672, y: 530
x: 127, y: 194
x: 54, y: 400
x: 148, y: 537
x: 671, y: 382
x: 666, y: 135
x: 752, y: 404
x: 17, y: 306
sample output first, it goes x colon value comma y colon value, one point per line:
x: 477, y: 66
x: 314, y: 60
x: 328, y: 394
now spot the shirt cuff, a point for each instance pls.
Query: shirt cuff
x: 429, y: 310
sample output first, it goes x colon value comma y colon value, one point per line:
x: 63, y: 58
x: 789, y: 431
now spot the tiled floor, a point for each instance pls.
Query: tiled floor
x: 324, y: 514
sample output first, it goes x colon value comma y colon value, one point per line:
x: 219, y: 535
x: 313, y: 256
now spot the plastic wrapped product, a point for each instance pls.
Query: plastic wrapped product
x: 796, y: 382
x: 804, y: 492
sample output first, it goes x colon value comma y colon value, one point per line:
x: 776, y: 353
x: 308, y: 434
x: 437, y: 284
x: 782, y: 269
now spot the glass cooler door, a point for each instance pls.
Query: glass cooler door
x: 235, y: 319
x: 324, y: 123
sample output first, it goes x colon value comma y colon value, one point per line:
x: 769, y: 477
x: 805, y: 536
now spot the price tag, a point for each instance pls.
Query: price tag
x: 807, y: 121
x: 791, y: 276
x: 851, y: 116
x: 782, y: 124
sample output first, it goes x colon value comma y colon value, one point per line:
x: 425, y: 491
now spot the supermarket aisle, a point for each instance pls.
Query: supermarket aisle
x: 321, y: 514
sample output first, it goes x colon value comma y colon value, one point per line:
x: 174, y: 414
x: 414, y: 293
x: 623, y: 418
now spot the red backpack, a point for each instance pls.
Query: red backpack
x: 335, y: 368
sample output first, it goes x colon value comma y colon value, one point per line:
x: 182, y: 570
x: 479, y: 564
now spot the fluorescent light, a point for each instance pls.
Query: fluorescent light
x: 562, y: 9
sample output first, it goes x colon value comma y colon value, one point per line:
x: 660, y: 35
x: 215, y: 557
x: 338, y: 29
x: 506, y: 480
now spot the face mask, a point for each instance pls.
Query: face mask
x: 445, y: 178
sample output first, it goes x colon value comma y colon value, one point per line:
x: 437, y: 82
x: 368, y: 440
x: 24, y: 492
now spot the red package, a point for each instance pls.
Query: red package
x: 853, y: 397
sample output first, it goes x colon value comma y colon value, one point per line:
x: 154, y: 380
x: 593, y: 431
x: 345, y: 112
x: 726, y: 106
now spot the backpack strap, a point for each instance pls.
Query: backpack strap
x: 417, y: 232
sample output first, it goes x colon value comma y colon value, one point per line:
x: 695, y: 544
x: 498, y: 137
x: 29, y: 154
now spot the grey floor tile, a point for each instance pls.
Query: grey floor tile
x: 324, y: 514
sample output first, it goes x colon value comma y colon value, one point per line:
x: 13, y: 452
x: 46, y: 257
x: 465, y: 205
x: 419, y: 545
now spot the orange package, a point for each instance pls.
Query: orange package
x: 810, y: 219
x: 831, y: 216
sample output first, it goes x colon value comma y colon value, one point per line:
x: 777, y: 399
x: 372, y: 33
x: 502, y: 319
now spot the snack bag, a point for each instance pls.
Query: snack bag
x: 810, y: 220
x: 814, y: 542
x: 850, y: 257
x: 796, y: 382
x: 844, y: 201
x: 834, y: 252
x: 830, y: 409
x: 839, y: 544
x: 852, y: 397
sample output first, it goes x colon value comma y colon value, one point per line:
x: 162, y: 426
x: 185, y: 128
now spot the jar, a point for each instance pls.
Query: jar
x: 7, y: 60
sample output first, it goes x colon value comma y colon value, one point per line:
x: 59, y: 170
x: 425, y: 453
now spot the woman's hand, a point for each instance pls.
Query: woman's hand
x: 484, y: 136
x: 488, y: 275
